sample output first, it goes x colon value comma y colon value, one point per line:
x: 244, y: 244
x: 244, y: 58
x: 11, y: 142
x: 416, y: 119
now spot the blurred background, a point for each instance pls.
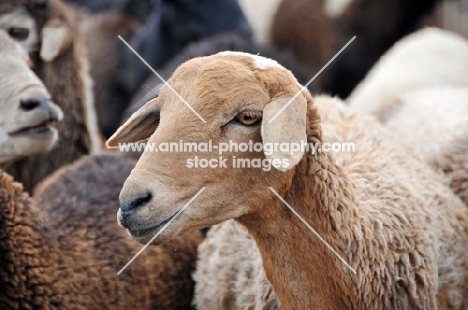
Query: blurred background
x: 301, y: 34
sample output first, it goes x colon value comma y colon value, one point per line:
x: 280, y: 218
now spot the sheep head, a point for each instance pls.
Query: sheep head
x: 26, y: 111
x: 237, y: 94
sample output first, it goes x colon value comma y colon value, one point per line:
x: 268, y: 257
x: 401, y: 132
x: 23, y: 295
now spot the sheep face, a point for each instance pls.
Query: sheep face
x: 26, y: 112
x: 232, y: 92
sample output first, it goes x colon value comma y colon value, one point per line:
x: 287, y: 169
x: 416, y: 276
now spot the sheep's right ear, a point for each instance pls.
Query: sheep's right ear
x: 284, y: 121
x: 141, y: 125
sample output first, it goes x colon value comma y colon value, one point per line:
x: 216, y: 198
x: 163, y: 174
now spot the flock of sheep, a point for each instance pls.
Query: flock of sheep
x: 395, y: 209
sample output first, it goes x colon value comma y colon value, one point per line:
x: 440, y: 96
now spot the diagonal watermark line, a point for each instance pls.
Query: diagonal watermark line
x: 313, y: 230
x: 153, y: 91
x: 161, y: 230
x: 163, y: 80
x: 307, y: 85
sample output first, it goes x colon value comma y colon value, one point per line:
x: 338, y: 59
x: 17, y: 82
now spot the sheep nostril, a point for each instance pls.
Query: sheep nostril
x: 29, y: 104
x: 135, y: 203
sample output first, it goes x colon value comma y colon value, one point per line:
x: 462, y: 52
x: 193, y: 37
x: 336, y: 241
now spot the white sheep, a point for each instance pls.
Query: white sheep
x: 417, y: 90
x: 385, y: 213
x: 61, y: 64
x: 315, y: 30
x: 426, y: 58
x: 433, y: 122
x: 27, y: 113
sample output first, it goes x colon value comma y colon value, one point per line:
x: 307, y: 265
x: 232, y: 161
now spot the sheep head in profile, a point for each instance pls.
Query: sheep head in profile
x: 27, y: 113
x: 237, y: 94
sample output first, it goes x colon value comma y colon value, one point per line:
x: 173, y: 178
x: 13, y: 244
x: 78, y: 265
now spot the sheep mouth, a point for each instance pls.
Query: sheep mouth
x: 43, y: 127
x: 144, y: 235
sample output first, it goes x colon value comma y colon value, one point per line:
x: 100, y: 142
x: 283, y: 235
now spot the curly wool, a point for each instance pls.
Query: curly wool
x: 63, y: 250
x: 434, y: 123
x: 224, y: 285
x: 407, y: 239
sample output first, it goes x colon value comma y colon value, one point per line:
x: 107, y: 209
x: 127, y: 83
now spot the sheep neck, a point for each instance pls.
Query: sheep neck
x: 305, y: 273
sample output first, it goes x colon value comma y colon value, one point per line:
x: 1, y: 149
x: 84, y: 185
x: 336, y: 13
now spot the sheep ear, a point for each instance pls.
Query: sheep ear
x: 289, y: 127
x: 141, y: 125
x: 56, y: 39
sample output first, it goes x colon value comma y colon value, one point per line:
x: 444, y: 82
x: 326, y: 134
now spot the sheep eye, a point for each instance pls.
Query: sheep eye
x: 249, y: 118
x: 18, y: 33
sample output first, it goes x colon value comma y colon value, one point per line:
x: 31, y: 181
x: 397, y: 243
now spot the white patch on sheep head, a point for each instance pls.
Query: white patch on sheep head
x: 26, y: 111
x: 223, y: 88
x: 261, y: 63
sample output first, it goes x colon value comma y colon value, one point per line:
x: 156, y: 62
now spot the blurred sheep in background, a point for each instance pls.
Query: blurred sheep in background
x: 171, y: 26
x: 49, y: 31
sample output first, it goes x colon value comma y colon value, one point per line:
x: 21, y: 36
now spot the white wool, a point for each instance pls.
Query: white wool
x: 427, y: 58
x: 435, y: 118
x: 261, y: 63
x: 244, y: 277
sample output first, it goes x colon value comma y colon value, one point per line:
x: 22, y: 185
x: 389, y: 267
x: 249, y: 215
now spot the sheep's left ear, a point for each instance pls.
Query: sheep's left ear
x: 289, y: 126
x: 140, y: 126
x: 56, y: 39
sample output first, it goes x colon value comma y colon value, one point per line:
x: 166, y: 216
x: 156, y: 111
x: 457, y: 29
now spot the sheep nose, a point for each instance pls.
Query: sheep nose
x: 29, y: 104
x: 46, y: 104
x: 134, y: 203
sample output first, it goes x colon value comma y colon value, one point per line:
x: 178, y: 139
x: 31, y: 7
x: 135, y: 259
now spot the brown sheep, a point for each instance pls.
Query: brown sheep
x: 63, y: 250
x: 232, y: 41
x: 388, y: 215
x: 171, y: 26
x: 58, y: 57
x: 106, y: 53
x: 314, y: 30
x: 138, y: 10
